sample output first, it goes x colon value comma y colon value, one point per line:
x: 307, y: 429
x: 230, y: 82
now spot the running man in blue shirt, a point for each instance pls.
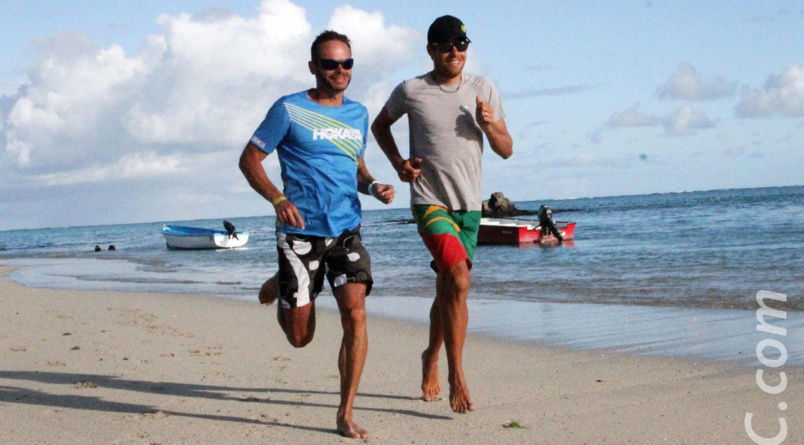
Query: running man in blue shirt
x: 320, y: 138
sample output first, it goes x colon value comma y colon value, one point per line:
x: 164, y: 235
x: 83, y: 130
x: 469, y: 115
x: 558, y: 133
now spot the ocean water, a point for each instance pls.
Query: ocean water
x: 695, y: 252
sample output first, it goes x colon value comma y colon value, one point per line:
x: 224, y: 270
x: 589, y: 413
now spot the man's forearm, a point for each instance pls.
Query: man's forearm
x: 385, y: 139
x: 381, y: 128
x: 364, y: 178
x: 251, y: 166
x: 499, y: 139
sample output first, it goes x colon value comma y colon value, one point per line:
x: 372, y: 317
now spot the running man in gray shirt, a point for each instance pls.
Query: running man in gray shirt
x: 449, y: 111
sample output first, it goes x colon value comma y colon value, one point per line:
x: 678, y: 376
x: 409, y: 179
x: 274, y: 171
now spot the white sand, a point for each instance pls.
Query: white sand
x: 128, y: 368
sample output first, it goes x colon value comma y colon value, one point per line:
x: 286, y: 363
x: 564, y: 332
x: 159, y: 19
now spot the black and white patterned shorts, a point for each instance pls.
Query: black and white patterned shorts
x: 305, y: 259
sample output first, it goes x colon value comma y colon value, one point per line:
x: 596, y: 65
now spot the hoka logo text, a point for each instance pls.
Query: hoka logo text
x: 337, y: 133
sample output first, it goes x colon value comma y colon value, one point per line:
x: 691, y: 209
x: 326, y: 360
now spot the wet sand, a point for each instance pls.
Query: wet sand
x: 136, y: 368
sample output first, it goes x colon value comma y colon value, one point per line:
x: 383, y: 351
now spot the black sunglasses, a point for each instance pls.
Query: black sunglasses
x: 329, y: 64
x: 445, y: 47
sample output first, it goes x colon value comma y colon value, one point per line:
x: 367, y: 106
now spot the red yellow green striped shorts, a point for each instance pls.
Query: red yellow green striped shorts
x: 450, y: 235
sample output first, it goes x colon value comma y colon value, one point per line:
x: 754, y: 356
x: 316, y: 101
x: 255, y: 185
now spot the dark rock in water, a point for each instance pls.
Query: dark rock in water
x: 498, y: 206
x: 112, y: 247
x: 401, y: 221
x: 97, y: 249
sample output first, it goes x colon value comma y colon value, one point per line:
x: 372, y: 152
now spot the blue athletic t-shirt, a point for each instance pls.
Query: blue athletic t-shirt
x: 319, y: 148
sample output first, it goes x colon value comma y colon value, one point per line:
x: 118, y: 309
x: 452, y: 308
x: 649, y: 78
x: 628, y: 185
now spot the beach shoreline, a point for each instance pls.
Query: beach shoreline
x: 712, y: 334
x: 121, y: 367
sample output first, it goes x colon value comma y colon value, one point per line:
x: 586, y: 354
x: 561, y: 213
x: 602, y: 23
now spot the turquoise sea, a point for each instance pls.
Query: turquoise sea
x: 673, y: 273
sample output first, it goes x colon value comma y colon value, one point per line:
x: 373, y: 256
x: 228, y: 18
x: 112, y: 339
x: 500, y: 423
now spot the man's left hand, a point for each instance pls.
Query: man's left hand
x: 383, y: 192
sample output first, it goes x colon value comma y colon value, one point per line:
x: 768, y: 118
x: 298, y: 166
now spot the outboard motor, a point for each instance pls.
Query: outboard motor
x: 546, y: 222
x: 230, y: 228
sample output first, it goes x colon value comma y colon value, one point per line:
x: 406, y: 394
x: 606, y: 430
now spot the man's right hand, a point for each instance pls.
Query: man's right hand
x: 289, y: 215
x: 409, y: 169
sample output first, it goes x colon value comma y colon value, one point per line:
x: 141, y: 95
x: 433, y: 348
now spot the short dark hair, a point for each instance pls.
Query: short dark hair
x: 326, y: 36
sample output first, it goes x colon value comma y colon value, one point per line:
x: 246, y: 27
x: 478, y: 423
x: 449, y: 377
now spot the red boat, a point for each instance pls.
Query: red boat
x: 520, y: 231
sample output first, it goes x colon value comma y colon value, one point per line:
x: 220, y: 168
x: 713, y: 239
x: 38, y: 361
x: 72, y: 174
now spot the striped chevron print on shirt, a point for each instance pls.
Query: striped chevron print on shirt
x: 348, y: 139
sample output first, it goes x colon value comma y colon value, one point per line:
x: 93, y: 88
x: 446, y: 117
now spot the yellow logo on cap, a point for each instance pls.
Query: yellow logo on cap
x: 463, y: 28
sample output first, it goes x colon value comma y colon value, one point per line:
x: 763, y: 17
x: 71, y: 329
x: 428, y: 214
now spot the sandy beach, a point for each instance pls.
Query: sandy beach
x: 140, y: 368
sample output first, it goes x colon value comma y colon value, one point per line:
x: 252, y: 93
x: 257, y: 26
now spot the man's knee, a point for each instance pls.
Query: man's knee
x: 352, y: 304
x: 298, y: 325
x: 459, y: 278
x: 299, y: 339
x: 353, y: 315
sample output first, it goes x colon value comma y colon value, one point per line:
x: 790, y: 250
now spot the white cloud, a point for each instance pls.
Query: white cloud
x: 378, y: 49
x: 195, y: 87
x: 212, y: 73
x: 683, y: 121
x: 373, y: 43
x: 131, y: 166
x: 632, y: 118
x: 560, y: 91
x: 685, y: 83
x: 198, y: 88
x: 783, y: 95
x: 201, y: 85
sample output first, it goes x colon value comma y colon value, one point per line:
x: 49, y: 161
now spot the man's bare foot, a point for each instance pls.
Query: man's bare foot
x: 269, y: 291
x: 459, y: 398
x: 431, y: 386
x: 347, y: 428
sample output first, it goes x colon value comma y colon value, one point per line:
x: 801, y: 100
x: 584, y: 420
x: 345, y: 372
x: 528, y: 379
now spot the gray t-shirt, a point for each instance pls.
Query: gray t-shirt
x: 444, y: 133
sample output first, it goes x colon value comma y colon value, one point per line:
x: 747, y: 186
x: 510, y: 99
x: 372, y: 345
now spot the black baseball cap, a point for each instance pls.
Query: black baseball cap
x: 445, y: 28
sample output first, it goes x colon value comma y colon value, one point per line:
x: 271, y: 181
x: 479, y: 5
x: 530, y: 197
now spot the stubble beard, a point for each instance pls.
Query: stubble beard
x: 448, y: 71
x: 325, y: 84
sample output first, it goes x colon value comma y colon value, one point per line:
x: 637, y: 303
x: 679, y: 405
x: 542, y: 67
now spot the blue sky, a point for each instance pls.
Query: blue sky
x: 119, y: 112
